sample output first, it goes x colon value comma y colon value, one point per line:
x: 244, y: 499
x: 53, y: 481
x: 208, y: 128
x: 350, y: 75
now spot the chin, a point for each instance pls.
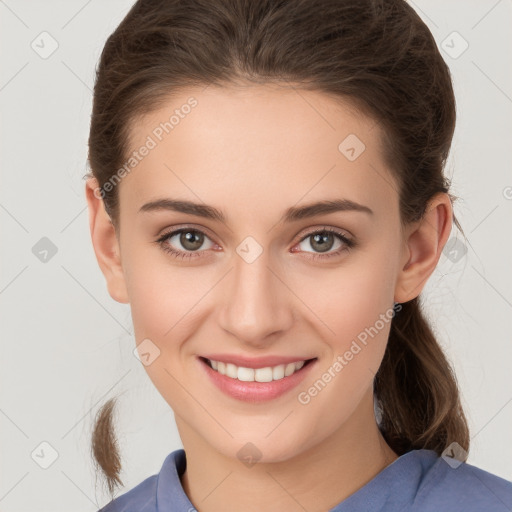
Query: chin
x: 260, y: 449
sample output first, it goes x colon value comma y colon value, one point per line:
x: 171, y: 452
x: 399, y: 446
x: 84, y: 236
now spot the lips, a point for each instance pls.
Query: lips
x: 252, y: 390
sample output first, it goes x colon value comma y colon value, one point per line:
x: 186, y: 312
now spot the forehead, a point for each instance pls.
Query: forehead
x: 255, y: 146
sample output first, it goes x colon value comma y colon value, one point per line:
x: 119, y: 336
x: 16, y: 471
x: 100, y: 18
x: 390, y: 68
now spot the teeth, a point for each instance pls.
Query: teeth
x: 232, y: 371
x: 267, y: 374
x: 278, y: 372
x: 263, y: 374
x: 289, y: 369
x: 245, y: 374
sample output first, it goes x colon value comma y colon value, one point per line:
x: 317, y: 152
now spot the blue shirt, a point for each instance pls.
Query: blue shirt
x: 418, y: 480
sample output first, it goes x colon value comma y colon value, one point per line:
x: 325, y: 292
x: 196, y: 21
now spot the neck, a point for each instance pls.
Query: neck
x: 314, y: 480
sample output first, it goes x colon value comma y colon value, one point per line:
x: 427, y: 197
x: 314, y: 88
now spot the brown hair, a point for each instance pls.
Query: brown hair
x: 376, y: 54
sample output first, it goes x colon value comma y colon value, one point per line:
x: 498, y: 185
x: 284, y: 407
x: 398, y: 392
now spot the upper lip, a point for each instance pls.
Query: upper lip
x: 255, y: 362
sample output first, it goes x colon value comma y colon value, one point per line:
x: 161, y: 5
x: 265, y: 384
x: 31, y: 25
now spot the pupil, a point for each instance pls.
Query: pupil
x: 322, y: 240
x: 187, y: 240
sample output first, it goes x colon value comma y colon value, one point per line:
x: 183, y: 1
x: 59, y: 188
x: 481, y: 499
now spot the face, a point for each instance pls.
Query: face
x: 258, y: 282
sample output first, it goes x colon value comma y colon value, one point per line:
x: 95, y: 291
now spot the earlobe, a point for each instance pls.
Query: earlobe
x: 105, y: 243
x: 426, y: 239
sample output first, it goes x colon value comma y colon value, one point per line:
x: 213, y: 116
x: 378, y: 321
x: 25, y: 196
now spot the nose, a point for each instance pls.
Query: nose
x: 257, y: 305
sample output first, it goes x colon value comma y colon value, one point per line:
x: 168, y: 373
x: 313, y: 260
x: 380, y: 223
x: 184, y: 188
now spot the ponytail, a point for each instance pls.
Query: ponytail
x: 416, y: 389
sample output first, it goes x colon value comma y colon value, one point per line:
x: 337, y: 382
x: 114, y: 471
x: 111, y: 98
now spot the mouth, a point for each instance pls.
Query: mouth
x: 256, y: 384
x: 266, y: 374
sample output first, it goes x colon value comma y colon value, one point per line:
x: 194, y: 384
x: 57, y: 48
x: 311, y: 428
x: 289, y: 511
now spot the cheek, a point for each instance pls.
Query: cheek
x: 356, y: 304
x: 346, y: 299
x: 360, y: 315
x: 164, y: 302
x: 163, y: 296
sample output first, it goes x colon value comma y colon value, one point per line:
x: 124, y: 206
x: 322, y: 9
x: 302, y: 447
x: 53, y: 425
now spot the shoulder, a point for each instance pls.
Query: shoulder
x: 157, y: 488
x: 421, y: 481
x: 141, y: 498
x: 452, y: 485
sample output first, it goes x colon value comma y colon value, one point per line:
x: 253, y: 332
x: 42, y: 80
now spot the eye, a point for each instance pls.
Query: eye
x: 190, y: 239
x: 323, y: 240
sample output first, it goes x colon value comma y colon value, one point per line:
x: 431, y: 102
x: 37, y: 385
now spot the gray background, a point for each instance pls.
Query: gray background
x: 67, y: 346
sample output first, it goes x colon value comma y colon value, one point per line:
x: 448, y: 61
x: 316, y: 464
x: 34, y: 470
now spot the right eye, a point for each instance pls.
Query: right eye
x: 190, y: 239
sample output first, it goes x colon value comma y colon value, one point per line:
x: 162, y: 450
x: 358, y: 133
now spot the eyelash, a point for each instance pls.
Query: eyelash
x: 349, y: 244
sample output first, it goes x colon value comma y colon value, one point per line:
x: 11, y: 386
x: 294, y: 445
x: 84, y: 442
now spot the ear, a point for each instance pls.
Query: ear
x: 425, y: 240
x: 105, y: 243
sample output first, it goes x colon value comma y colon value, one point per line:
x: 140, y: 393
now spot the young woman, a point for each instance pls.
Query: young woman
x: 267, y: 194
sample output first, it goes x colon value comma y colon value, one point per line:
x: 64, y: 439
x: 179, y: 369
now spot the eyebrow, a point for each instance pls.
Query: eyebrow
x: 292, y: 214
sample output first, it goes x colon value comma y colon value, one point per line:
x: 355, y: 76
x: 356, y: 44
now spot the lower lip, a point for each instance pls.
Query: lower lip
x: 256, y: 391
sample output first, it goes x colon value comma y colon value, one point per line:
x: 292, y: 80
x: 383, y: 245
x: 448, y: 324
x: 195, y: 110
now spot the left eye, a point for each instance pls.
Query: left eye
x: 322, y: 240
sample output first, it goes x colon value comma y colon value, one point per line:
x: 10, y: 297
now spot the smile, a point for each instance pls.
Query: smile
x: 266, y: 374
x: 256, y: 384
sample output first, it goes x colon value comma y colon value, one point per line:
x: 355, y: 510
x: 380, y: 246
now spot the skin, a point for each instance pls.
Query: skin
x: 252, y: 152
